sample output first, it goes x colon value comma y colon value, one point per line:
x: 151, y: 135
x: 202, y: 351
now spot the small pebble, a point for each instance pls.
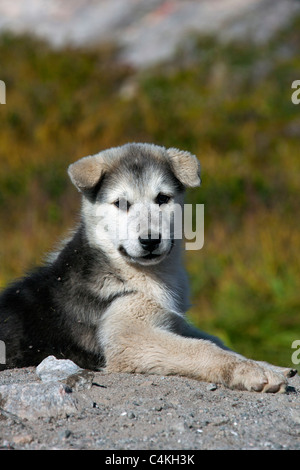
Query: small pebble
x: 211, y: 387
x: 158, y: 408
x: 65, y: 434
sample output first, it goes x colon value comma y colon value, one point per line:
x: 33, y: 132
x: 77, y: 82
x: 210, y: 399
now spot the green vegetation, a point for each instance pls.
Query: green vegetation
x: 230, y: 105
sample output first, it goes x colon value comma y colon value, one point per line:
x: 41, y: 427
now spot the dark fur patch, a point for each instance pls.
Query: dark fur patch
x: 54, y: 309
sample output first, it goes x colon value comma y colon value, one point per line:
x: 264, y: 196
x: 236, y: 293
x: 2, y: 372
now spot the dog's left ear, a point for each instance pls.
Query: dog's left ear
x: 185, y: 166
x: 87, y: 172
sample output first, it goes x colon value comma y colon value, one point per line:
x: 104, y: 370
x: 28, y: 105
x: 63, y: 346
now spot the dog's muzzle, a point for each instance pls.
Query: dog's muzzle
x: 150, y: 243
x: 149, y: 246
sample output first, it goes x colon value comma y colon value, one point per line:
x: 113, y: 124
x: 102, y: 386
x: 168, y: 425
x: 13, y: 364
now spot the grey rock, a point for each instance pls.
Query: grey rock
x: 52, y: 398
x: 35, y: 400
x: 211, y: 387
x: 66, y: 371
x: 52, y: 369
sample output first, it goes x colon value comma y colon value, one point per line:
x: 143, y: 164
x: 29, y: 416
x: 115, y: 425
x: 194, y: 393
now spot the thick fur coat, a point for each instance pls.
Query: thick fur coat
x: 115, y: 301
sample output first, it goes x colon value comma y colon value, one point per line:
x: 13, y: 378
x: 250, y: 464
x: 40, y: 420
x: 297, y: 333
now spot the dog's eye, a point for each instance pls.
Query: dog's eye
x: 122, y: 204
x: 162, y: 199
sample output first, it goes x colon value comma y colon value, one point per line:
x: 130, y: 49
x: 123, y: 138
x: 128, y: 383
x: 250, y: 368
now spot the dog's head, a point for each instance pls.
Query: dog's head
x: 131, y: 194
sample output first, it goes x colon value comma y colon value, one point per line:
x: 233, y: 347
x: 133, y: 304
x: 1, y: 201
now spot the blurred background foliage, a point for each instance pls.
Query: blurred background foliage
x: 230, y: 105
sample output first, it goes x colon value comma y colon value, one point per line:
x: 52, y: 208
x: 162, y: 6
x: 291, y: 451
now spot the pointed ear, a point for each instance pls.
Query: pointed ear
x: 186, y: 167
x: 86, y: 172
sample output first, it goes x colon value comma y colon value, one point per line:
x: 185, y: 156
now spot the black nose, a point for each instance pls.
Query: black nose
x: 150, y: 243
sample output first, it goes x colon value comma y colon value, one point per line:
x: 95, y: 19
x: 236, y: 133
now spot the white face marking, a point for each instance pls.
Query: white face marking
x: 136, y: 220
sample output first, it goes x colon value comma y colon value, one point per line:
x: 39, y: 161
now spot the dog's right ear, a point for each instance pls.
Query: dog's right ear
x: 87, y: 172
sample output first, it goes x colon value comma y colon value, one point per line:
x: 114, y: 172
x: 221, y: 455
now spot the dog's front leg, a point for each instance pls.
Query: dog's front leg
x: 133, y: 341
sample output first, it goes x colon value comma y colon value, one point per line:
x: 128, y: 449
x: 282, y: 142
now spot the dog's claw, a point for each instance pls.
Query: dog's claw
x: 291, y: 373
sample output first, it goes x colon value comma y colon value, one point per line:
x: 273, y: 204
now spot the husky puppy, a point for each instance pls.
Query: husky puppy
x: 115, y: 295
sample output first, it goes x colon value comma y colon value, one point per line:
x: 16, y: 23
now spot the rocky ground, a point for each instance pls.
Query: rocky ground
x: 135, y: 412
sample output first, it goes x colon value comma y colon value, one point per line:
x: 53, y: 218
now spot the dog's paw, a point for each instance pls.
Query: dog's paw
x: 286, y: 371
x: 289, y: 372
x: 253, y: 376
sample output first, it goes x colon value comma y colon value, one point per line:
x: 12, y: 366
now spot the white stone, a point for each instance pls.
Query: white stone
x: 53, y: 370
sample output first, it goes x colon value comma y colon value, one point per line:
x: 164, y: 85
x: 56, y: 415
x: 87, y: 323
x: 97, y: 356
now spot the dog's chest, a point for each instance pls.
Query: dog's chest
x: 170, y: 291
x: 165, y: 291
